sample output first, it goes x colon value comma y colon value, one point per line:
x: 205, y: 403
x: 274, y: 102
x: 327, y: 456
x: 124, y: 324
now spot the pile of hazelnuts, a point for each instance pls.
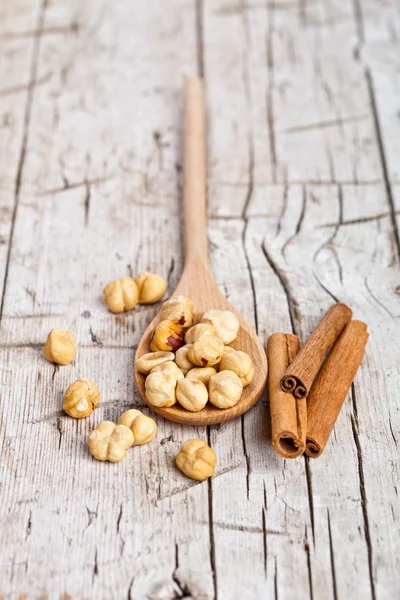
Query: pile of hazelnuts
x: 193, y: 364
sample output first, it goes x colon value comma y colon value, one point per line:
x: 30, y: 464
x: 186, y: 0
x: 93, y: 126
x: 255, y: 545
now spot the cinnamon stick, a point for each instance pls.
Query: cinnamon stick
x: 288, y: 415
x: 301, y: 373
x: 332, y: 384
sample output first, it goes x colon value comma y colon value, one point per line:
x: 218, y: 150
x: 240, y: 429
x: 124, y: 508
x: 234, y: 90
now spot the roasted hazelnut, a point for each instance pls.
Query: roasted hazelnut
x: 192, y: 394
x: 225, y: 322
x: 81, y: 398
x: 201, y: 373
x: 167, y: 336
x: 148, y: 361
x: 195, y: 332
x: 121, y: 295
x: 60, y: 347
x: 181, y: 359
x: 169, y: 367
x: 225, y: 389
x: 196, y: 460
x: 160, y: 389
x: 144, y: 428
x: 109, y: 441
x: 151, y: 287
x: 179, y: 309
x: 206, y: 351
x: 240, y: 363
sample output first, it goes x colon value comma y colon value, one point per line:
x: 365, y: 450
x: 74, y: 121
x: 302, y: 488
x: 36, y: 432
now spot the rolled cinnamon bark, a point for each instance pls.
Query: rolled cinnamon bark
x: 288, y: 415
x: 301, y: 373
x: 330, y: 388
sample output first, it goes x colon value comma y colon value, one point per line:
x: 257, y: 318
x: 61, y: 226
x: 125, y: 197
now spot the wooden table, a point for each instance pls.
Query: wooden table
x: 304, y: 204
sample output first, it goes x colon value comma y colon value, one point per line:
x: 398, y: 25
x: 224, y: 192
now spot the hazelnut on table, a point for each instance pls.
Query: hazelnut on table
x: 192, y: 394
x: 81, y: 398
x: 169, y: 367
x: 179, y: 309
x: 196, y: 460
x: 240, y: 363
x: 181, y: 359
x: 195, y: 332
x: 202, y: 373
x: 121, y: 295
x: 151, y: 287
x: 225, y: 322
x: 160, y: 389
x: 167, y: 336
x: 144, y: 428
x: 148, y: 361
x: 60, y: 347
x: 225, y: 389
x: 110, y: 442
x: 206, y: 351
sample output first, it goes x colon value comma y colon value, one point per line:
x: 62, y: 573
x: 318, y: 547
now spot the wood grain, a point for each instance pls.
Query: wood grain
x: 303, y: 203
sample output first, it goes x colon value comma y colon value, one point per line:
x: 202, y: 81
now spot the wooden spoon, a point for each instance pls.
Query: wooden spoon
x: 197, y: 282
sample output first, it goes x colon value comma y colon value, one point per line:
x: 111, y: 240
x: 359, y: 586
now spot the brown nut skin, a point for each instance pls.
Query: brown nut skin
x: 225, y: 322
x: 148, y: 361
x: 179, y: 309
x: 167, y: 336
x: 192, y: 394
x: 240, y: 363
x: 195, y: 332
x: 206, y: 351
x: 202, y: 373
x: 151, y: 287
x: 144, y: 428
x: 160, y: 389
x: 121, y: 295
x: 181, y: 359
x: 60, y: 347
x: 81, y: 398
x: 169, y: 367
x: 196, y: 460
x: 110, y: 442
x: 225, y: 389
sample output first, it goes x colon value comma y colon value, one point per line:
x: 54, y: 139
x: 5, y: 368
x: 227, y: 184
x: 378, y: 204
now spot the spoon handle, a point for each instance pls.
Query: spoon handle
x: 194, y: 172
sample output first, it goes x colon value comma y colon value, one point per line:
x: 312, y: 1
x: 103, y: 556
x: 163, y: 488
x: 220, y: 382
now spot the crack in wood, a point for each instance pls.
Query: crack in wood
x: 211, y: 533
x: 270, y: 90
x: 87, y: 182
x: 332, y: 557
x: 199, y: 37
x: 308, y: 552
x: 363, y: 492
x: 299, y: 223
x: 324, y: 124
x: 310, y: 495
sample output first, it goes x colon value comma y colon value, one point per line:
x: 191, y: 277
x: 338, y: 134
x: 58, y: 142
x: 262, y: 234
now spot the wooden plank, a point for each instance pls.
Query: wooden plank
x: 18, y: 80
x: 99, y: 199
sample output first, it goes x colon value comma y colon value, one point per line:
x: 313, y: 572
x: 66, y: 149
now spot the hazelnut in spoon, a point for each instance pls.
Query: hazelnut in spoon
x: 197, y: 282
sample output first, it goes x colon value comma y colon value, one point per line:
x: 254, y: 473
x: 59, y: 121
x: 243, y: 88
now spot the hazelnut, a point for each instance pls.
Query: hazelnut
x: 179, y: 309
x: 151, y: 287
x: 181, y: 359
x: 144, y: 428
x: 203, y: 374
x: 225, y: 322
x: 60, y: 347
x: 109, y: 441
x: 81, y: 398
x: 225, y: 389
x: 206, y: 351
x: 192, y: 394
x: 197, y: 331
x: 167, y: 336
x: 160, y: 389
x: 121, y: 295
x: 148, y: 361
x: 169, y: 367
x: 240, y: 363
x: 196, y: 460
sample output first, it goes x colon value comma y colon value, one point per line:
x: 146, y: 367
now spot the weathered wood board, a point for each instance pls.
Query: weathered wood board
x: 304, y: 205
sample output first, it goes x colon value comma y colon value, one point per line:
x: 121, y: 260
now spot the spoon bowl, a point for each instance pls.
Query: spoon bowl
x: 205, y: 294
x: 197, y: 282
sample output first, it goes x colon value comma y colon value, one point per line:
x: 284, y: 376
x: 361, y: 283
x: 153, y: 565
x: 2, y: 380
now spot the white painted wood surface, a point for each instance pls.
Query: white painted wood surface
x: 304, y: 204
